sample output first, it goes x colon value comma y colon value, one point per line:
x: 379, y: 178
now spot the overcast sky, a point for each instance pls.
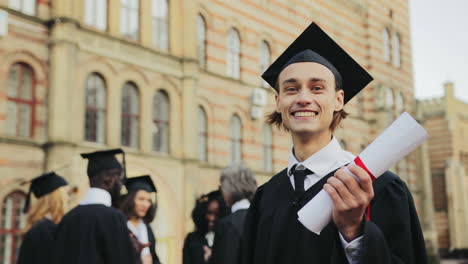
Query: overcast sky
x: 439, y: 32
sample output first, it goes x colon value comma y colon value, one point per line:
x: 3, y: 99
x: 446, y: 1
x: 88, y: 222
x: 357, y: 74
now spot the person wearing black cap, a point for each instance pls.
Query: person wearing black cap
x: 51, y: 191
x: 94, y: 231
x: 140, y: 211
x: 314, y: 78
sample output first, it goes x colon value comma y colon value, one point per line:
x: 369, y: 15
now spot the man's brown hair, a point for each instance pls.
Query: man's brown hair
x: 274, y: 118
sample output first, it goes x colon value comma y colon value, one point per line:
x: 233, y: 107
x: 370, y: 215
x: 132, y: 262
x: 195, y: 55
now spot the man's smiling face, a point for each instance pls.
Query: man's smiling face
x: 307, y: 98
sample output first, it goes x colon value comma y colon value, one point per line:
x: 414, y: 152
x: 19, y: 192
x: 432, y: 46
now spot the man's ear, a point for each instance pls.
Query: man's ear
x: 277, y: 103
x: 339, y: 100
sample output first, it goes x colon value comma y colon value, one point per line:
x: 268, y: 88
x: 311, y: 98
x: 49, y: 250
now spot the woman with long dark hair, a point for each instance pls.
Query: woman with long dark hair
x: 140, y: 211
x: 208, y: 209
x: 51, y: 192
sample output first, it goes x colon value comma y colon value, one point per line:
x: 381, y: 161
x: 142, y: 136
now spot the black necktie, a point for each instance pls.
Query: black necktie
x: 299, y: 178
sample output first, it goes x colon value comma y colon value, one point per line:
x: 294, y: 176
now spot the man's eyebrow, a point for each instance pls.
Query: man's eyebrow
x: 290, y: 80
x: 315, y: 79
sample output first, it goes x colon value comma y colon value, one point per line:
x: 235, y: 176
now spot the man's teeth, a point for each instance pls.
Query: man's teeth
x: 304, y: 114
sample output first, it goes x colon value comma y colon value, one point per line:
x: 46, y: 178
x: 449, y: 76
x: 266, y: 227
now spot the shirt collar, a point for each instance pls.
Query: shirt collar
x: 97, y: 196
x: 242, y: 204
x: 330, y: 157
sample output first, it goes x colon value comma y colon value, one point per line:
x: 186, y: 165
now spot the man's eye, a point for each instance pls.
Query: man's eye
x: 289, y: 89
x: 317, y: 88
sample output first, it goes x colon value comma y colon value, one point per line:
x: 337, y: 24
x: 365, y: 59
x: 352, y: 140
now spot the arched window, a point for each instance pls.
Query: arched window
x: 399, y: 103
x: 386, y: 44
x: 130, y: 115
x: 129, y: 18
x: 161, y: 122
x: 265, y: 55
x: 95, y: 119
x: 12, y: 222
x: 201, y: 40
x: 160, y: 25
x: 389, y: 104
x: 267, y: 143
x: 21, y: 101
x: 233, y: 54
x: 202, y: 135
x: 396, y: 49
x: 25, y: 6
x: 235, y: 126
x: 96, y: 13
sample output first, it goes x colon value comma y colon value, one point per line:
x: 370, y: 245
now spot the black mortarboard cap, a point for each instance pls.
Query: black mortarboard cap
x: 42, y: 185
x: 104, y: 160
x: 314, y: 45
x: 144, y: 182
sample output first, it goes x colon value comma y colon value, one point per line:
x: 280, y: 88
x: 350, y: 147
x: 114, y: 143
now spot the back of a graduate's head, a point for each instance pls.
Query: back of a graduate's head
x: 237, y: 183
x: 109, y: 180
x: 202, y: 210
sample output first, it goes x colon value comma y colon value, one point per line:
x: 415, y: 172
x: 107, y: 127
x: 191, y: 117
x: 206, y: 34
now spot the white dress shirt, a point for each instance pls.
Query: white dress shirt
x: 97, y: 196
x: 329, y: 158
x: 141, y: 233
x: 241, y: 204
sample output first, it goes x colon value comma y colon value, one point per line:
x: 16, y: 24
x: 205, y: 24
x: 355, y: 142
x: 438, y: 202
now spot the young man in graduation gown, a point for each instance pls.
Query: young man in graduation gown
x: 238, y: 186
x: 314, y: 78
x: 94, y: 232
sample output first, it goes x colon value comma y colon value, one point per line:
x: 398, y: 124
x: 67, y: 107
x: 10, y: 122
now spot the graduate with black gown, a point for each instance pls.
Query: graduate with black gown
x: 52, y: 197
x: 238, y: 185
x: 313, y: 79
x: 94, y: 232
x: 140, y: 210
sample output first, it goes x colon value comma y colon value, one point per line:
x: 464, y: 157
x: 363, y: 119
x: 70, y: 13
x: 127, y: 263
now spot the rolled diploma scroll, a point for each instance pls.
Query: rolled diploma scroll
x: 395, y: 142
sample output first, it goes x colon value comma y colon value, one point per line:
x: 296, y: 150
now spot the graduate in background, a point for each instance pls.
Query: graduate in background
x: 140, y: 211
x: 238, y: 186
x: 38, y: 241
x: 208, y: 209
x: 314, y: 78
x: 94, y: 232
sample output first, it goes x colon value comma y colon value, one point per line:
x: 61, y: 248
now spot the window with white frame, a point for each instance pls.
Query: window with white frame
x: 95, y: 116
x: 386, y: 44
x: 389, y: 106
x: 396, y: 49
x: 20, y: 101
x: 235, y: 126
x: 201, y: 41
x: 96, y: 13
x: 267, y: 144
x: 399, y: 103
x: 130, y: 115
x: 160, y: 24
x: 265, y: 55
x: 161, y: 108
x: 25, y: 6
x: 202, y: 135
x: 233, y: 54
x: 12, y: 223
x: 129, y: 18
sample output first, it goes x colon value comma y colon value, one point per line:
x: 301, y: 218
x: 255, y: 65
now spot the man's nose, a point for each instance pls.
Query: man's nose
x: 304, y: 97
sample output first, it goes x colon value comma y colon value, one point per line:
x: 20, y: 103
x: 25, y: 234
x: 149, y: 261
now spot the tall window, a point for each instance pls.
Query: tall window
x: 161, y: 122
x: 95, y: 119
x: 21, y: 101
x: 236, y: 138
x: 399, y: 103
x: 130, y: 115
x: 389, y: 104
x: 13, y: 221
x: 233, y: 54
x: 396, y: 49
x: 201, y: 40
x: 160, y: 24
x: 267, y: 142
x: 202, y: 135
x: 360, y: 103
x: 96, y: 13
x: 265, y: 55
x: 129, y: 18
x: 386, y: 44
x: 24, y: 6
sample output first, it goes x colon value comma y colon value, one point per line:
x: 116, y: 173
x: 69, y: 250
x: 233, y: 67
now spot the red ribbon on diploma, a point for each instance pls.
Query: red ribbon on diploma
x: 359, y: 163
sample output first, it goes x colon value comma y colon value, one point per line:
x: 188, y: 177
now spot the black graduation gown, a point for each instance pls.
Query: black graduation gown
x: 94, y: 234
x: 226, y: 247
x: 272, y: 233
x: 38, y: 243
x: 152, y: 241
x: 193, y: 252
